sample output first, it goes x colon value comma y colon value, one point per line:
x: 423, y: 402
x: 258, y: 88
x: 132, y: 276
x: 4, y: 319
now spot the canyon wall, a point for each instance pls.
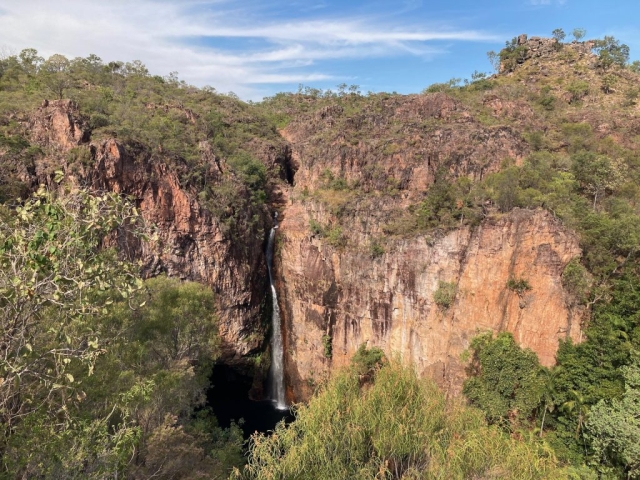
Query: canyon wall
x: 349, y: 298
x: 336, y: 296
x: 190, y: 243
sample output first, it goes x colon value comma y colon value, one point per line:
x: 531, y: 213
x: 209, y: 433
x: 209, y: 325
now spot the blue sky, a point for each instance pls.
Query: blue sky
x: 257, y: 48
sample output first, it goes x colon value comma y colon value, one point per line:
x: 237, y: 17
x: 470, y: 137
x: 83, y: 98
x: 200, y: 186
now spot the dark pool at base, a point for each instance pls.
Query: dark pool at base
x: 229, y: 399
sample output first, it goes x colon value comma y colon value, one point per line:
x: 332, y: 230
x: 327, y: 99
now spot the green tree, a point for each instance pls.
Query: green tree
x: 55, y: 74
x: 578, y: 34
x: 596, y: 173
x: 611, y: 52
x: 614, y: 426
x: 559, y: 35
x: 505, y: 380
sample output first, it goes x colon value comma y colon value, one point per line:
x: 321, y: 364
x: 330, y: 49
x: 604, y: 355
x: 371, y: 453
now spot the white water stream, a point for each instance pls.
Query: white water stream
x: 277, y: 353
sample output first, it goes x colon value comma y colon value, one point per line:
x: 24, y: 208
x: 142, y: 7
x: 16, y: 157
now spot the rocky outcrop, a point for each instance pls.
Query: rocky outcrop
x: 388, y: 302
x: 338, y: 293
x: 190, y: 242
x: 56, y: 124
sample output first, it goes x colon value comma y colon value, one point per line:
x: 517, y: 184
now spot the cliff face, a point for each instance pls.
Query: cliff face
x: 341, y: 295
x: 191, y: 243
x: 389, y: 302
x: 337, y: 296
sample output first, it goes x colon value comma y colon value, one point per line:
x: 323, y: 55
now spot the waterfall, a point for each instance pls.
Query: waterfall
x: 277, y: 354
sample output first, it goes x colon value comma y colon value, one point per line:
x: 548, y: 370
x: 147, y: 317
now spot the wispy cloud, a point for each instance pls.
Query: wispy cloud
x: 194, y: 38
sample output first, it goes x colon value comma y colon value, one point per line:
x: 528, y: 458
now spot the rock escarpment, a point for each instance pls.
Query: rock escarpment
x: 389, y: 302
x: 336, y: 296
x: 190, y: 243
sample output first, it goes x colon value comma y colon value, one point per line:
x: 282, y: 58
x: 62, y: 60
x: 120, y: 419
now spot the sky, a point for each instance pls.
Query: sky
x: 258, y: 48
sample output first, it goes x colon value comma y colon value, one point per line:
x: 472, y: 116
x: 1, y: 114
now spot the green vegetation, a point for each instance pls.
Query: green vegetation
x: 506, y: 382
x: 445, y: 294
x: 327, y: 345
x: 103, y: 374
x: 396, y: 426
x: 518, y: 285
x: 214, y: 142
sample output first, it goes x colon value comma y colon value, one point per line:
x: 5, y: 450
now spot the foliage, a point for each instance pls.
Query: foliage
x: 367, y: 360
x: 611, y: 52
x: 327, y: 345
x: 397, y: 427
x: 518, y: 285
x: 102, y: 373
x: 512, y: 54
x: 576, y: 281
x: 614, y: 427
x: 376, y: 248
x: 578, y: 90
x: 506, y: 381
x: 53, y: 281
x: 578, y: 34
x: 445, y: 294
x: 559, y: 35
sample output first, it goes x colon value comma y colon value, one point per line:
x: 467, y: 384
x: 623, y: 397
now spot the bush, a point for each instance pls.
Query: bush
x: 512, y: 55
x: 578, y: 90
x: 397, y: 427
x: 576, y: 280
x: 518, y: 285
x: 366, y: 360
x: 315, y: 227
x: 376, y: 249
x: 445, y: 294
x: 327, y: 345
x: 505, y: 380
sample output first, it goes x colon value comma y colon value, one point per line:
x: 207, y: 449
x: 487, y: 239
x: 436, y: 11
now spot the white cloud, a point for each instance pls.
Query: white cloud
x: 174, y: 36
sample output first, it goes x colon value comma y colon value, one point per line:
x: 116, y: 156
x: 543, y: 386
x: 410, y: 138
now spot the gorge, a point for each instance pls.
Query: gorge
x: 277, y: 241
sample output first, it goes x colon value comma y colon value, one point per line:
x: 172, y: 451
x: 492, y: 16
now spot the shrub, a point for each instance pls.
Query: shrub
x: 576, y: 280
x: 335, y: 237
x: 578, y: 90
x: 366, y: 360
x: 327, y: 344
x: 505, y: 380
x: 445, y: 294
x: 376, y: 249
x: 518, y: 285
x: 315, y: 227
x: 512, y: 54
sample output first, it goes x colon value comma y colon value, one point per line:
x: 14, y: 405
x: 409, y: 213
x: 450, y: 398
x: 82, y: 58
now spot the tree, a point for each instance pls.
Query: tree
x: 55, y: 74
x: 505, y: 381
x: 578, y: 34
x: 614, y: 426
x: 559, y: 35
x: 53, y: 280
x: 596, y: 173
x: 494, y: 60
x: 611, y: 52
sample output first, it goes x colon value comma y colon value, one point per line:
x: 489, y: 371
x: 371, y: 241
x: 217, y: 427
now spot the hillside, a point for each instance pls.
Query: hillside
x: 410, y: 224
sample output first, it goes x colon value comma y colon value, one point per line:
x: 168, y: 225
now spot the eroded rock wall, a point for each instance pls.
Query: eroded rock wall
x: 388, y: 302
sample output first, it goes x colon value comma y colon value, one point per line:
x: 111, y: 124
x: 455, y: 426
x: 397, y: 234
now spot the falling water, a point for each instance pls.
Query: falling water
x: 277, y: 370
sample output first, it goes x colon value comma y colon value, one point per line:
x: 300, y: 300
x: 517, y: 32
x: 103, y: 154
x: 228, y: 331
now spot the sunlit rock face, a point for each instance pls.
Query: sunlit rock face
x: 345, y: 296
x: 388, y: 302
